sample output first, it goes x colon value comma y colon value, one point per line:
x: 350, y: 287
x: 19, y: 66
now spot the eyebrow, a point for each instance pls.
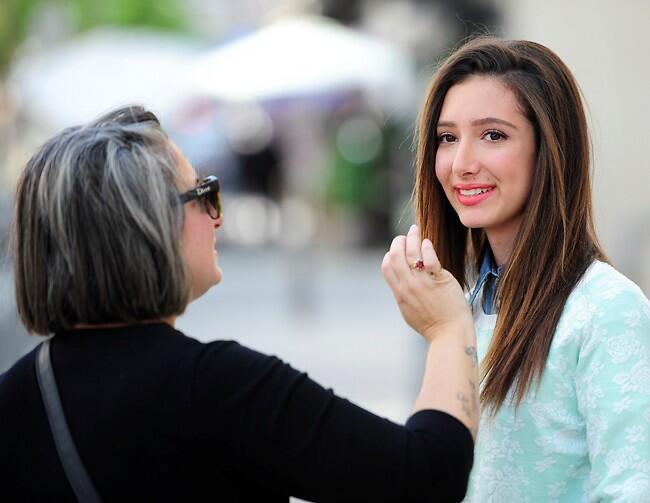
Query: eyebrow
x: 480, y: 122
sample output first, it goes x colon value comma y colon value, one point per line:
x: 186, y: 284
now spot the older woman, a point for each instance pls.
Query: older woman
x: 114, y: 235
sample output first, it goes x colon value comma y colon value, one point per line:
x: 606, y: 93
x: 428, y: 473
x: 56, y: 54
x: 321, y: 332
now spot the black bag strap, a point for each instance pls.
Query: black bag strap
x: 74, y: 469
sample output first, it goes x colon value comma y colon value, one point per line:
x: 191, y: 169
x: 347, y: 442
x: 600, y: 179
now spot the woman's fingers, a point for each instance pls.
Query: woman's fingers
x: 408, y: 256
x: 398, y: 256
x: 430, y: 259
x: 428, y: 296
x: 413, y: 245
x: 394, y: 264
x: 389, y: 273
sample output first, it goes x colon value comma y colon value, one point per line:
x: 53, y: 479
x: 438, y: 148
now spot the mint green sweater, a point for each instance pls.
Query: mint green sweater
x: 583, y: 435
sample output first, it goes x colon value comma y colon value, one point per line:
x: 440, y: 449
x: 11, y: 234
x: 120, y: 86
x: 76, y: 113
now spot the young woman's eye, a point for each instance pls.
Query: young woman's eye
x: 446, y: 138
x: 494, y: 136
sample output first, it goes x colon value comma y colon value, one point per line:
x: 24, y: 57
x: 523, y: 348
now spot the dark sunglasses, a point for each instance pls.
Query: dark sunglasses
x: 208, y: 194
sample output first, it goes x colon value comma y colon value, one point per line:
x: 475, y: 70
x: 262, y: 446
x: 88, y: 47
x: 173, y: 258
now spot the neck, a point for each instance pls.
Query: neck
x: 500, y: 252
x: 169, y: 320
x: 502, y: 241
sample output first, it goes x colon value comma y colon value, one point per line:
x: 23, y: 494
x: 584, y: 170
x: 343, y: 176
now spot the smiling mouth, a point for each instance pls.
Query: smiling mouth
x: 473, y: 196
x: 474, y: 192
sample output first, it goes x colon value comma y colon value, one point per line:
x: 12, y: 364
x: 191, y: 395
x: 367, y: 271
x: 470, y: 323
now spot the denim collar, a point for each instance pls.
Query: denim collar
x: 488, y: 273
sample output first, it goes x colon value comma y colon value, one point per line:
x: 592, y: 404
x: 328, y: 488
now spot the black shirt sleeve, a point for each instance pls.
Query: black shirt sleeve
x: 282, y: 431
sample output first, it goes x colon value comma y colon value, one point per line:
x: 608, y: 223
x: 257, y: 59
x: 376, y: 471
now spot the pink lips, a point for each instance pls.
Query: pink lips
x: 475, y: 199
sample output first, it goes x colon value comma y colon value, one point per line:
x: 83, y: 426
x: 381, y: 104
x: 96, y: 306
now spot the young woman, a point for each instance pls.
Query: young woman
x: 113, y: 236
x: 503, y: 190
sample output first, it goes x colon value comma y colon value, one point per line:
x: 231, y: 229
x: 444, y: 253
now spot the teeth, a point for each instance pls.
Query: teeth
x: 473, y: 192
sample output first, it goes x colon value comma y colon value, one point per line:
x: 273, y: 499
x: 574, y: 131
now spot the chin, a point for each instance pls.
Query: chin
x: 473, y: 223
x: 204, y: 284
x: 218, y: 276
x: 476, y: 219
x: 213, y: 279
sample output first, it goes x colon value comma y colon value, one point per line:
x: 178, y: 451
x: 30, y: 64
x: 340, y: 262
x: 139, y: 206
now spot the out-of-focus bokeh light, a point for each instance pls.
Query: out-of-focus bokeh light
x: 252, y: 220
x: 248, y: 128
x: 359, y: 140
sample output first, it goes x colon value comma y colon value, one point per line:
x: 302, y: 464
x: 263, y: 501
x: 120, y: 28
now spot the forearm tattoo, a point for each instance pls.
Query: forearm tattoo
x: 471, y: 352
x: 468, y: 403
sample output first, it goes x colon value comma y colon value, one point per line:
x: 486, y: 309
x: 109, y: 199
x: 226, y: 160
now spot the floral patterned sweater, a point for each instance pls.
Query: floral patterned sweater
x: 583, y: 435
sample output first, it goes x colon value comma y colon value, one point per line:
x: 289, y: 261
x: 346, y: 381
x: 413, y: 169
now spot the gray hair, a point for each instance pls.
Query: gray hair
x: 96, y: 236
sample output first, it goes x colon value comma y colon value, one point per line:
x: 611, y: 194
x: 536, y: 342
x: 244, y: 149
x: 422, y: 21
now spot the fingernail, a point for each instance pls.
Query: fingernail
x: 413, y: 228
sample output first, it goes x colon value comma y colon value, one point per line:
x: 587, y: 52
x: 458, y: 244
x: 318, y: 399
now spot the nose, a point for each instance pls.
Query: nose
x: 465, y: 163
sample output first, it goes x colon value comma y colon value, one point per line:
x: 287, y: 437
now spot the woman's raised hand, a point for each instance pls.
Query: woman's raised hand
x: 429, y: 297
x: 432, y: 303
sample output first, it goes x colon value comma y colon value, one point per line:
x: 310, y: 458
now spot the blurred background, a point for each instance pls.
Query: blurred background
x: 305, y: 110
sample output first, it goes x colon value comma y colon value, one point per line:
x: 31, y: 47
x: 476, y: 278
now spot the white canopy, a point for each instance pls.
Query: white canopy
x: 76, y: 81
x: 90, y: 74
x: 302, y: 56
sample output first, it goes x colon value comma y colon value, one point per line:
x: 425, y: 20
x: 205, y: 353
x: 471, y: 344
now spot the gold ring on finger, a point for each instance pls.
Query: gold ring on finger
x: 418, y: 265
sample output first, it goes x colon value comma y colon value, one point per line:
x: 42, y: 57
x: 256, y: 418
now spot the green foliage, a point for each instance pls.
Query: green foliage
x: 14, y: 21
x: 16, y: 18
x: 162, y: 14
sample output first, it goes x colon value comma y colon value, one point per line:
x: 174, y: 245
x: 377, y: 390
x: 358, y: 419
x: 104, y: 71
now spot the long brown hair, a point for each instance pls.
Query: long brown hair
x: 556, y: 241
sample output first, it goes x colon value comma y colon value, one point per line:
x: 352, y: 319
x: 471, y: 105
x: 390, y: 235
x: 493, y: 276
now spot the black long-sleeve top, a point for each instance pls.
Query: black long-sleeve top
x: 158, y: 416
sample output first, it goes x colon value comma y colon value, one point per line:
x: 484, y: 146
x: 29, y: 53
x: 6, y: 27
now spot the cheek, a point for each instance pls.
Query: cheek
x: 192, y: 237
x: 444, y: 162
x: 529, y: 172
x: 188, y: 248
x: 512, y: 167
x: 502, y: 161
x: 443, y: 166
x: 515, y: 174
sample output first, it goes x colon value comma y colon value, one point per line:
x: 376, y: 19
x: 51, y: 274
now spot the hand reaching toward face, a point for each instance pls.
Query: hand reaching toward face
x: 428, y: 296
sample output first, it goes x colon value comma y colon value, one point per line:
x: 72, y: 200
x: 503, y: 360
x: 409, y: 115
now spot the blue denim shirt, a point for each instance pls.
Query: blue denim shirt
x: 487, y: 277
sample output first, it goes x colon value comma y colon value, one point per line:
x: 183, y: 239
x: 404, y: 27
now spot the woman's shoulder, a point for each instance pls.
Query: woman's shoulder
x: 604, y: 302
x: 604, y: 285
